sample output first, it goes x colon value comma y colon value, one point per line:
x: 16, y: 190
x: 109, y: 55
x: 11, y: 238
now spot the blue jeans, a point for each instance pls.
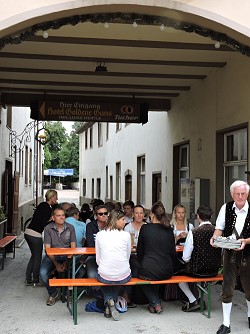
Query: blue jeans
x: 152, y: 293
x: 112, y: 291
x: 46, y: 267
x: 91, y: 267
x: 36, y: 248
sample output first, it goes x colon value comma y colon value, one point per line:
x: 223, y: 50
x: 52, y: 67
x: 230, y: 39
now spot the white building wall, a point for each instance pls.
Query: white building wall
x: 125, y: 146
x: 218, y: 102
x: 20, y: 120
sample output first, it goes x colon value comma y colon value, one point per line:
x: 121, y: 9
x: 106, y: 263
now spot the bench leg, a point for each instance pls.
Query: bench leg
x: 2, y: 251
x: 75, y: 300
x: 14, y: 249
x: 205, y: 289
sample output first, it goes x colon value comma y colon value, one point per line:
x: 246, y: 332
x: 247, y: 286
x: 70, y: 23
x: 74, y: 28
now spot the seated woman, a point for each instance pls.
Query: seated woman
x: 113, y: 248
x: 134, y: 227
x: 156, y: 254
x: 180, y: 225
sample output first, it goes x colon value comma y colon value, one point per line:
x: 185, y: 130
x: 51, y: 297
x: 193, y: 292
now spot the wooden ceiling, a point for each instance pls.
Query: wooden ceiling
x: 144, y: 63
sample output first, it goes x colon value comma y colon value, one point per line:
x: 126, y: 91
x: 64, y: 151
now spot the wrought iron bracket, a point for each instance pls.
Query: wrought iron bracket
x: 18, y: 141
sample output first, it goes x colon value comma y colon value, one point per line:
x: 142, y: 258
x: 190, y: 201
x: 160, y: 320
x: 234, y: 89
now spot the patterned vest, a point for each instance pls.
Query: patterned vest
x: 230, y: 221
x: 205, y: 259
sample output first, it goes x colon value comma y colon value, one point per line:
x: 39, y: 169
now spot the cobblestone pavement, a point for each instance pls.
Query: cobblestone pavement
x: 23, y: 310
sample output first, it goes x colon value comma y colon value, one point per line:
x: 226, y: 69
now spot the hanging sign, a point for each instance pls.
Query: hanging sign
x: 89, y: 111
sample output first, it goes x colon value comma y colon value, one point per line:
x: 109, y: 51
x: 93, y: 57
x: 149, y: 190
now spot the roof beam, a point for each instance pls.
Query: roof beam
x: 130, y: 43
x: 16, y: 55
x: 103, y: 74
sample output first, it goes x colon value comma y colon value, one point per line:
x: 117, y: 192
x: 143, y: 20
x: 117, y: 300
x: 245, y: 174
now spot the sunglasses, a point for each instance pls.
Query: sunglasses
x: 102, y: 213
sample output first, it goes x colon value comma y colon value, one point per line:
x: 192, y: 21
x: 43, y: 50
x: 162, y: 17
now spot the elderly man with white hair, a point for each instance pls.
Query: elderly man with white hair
x: 233, y: 222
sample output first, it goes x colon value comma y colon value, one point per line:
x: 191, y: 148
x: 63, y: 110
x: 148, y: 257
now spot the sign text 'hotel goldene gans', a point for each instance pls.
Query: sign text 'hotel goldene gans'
x: 89, y: 112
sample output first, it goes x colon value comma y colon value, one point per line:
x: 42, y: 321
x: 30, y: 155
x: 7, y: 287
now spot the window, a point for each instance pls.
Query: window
x: 86, y: 139
x: 107, y: 131
x: 84, y: 187
x: 91, y: 138
x: 118, y: 181
x: 9, y: 117
x: 22, y: 162
x: 128, y: 185
x: 111, y: 187
x: 184, y: 162
x: 99, y: 134
x: 235, y: 159
x: 26, y: 165
x: 30, y: 167
x: 118, y: 127
x: 93, y: 189
x: 98, y: 188
x: 156, y: 187
x: 141, y: 180
x: 107, y: 182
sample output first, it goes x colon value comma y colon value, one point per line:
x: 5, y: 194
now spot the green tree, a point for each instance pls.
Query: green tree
x: 62, y: 151
x: 58, y: 137
x: 69, y: 154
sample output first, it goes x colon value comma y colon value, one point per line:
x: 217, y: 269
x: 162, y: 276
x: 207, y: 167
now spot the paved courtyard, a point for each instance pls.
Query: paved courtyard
x: 23, y: 309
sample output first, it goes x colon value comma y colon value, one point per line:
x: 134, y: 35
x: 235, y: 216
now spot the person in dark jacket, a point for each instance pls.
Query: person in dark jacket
x: 202, y: 260
x: 33, y: 236
x: 156, y: 254
x: 98, y: 224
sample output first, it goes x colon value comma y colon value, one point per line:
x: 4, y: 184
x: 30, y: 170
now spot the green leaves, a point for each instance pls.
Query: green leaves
x: 62, y: 151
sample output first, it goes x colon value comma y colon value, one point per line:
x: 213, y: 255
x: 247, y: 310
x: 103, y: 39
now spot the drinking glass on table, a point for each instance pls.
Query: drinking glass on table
x: 132, y: 235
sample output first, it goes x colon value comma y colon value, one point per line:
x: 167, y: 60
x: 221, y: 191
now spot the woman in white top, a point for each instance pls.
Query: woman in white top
x: 180, y: 224
x: 134, y: 227
x: 113, y: 249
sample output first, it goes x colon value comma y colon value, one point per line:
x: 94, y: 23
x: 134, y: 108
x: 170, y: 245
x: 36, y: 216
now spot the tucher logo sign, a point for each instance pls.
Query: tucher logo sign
x: 89, y: 112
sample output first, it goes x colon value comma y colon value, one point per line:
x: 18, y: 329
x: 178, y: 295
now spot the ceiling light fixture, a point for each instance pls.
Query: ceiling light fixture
x: 217, y: 45
x: 135, y: 24
x: 106, y: 25
x: 45, y: 34
x: 162, y: 27
x: 101, y: 68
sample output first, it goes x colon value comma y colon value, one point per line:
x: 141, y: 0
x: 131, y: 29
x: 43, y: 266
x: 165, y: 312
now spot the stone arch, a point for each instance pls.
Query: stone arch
x: 217, y: 22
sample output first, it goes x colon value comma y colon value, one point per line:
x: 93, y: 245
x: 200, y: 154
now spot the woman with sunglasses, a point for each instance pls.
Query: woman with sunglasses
x: 113, y: 248
x: 156, y: 254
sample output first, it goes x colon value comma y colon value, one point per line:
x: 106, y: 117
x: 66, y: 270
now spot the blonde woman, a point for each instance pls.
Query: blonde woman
x: 113, y: 248
x: 180, y: 225
x: 33, y: 236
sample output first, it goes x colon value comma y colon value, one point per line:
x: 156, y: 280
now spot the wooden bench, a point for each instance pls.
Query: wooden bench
x: 204, y: 285
x: 5, y: 241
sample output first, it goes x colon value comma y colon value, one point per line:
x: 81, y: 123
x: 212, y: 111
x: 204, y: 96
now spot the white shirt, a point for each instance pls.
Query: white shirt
x: 189, y: 244
x: 113, y: 248
x: 130, y: 229
x: 240, y: 220
x: 177, y: 232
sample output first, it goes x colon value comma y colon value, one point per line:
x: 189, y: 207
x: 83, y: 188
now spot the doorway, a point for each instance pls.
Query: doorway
x: 156, y: 187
